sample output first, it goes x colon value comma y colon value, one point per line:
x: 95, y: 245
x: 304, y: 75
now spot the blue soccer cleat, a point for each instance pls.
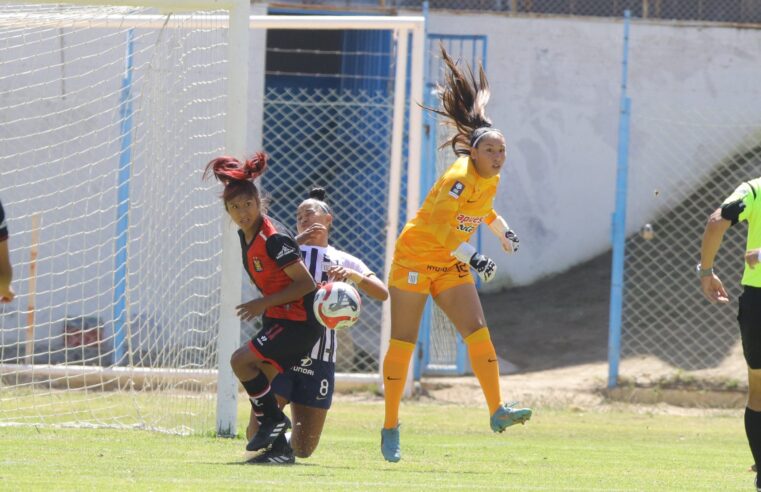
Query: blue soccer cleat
x: 506, y: 415
x: 390, y: 447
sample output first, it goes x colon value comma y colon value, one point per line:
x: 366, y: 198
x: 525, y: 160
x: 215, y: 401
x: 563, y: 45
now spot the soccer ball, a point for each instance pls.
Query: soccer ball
x: 337, y: 305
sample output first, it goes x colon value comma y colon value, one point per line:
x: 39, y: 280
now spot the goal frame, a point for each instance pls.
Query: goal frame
x: 241, y: 22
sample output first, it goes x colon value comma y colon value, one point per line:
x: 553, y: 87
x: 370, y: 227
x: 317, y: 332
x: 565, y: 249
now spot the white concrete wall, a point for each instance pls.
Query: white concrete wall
x: 556, y: 87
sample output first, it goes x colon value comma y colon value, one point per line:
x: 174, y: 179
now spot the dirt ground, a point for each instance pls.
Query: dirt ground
x: 554, y: 335
x: 557, y: 322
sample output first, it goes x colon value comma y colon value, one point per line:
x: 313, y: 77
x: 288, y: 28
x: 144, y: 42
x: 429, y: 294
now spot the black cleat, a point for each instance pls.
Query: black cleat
x: 274, y: 456
x: 269, y: 430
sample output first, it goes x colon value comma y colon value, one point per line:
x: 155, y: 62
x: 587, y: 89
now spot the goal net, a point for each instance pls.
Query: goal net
x: 121, y: 252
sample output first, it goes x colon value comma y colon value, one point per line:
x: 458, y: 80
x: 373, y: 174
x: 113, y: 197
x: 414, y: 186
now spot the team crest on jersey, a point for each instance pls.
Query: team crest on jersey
x: 326, y: 263
x: 258, y: 265
x: 456, y: 190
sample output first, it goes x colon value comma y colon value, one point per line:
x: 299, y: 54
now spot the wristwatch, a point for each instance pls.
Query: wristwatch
x: 704, y: 272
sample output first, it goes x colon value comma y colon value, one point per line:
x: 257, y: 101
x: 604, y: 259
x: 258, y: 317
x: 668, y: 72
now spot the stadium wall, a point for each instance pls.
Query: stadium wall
x: 555, y: 93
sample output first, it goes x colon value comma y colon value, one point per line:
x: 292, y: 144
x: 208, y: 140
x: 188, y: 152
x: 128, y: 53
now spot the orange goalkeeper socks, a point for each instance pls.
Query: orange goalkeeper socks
x: 483, y: 360
x: 395, y: 367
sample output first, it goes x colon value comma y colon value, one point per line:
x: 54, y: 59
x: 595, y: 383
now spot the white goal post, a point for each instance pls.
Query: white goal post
x: 27, y: 376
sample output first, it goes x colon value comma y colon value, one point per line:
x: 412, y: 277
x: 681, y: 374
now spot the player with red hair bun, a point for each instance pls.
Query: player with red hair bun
x: 273, y: 262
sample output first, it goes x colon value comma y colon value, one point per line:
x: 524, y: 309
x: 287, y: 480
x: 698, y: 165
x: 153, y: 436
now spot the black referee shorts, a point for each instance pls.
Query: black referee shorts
x: 749, y: 317
x: 283, y: 342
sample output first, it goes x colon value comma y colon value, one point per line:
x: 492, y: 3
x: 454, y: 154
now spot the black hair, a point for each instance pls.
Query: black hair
x: 318, y: 194
x: 463, y: 97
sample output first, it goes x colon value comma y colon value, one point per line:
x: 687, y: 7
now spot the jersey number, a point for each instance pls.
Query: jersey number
x: 324, y: 387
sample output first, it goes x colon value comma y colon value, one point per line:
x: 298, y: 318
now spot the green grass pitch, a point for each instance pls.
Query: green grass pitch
x: 444, y: 447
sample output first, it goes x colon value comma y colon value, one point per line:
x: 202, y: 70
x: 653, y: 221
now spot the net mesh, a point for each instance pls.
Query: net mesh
x: 115, y: 238
x: 682, y: 168
x: 70, y: 126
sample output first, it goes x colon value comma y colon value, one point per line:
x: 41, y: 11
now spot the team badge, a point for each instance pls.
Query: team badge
x: 412, y: 278
x: 258, y: 265
x: 456, y: 190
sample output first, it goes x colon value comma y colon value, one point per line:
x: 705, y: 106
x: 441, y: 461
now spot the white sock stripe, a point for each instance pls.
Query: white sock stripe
x: 263, y: 393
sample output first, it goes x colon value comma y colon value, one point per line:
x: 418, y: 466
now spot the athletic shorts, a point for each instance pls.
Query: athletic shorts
x: 309, y: 383
x: 749, y: 317
x: 283, y: 342
x: 429, y: 279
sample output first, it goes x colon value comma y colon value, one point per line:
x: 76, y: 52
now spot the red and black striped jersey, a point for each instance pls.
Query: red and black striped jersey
x: 264, y: 258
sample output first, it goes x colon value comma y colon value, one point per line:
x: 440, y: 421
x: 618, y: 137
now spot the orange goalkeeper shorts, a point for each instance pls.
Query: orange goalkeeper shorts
x: 429, y: 279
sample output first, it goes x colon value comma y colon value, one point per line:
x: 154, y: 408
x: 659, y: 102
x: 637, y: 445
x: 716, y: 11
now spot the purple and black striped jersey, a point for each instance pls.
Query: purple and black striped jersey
x: 318, y: 261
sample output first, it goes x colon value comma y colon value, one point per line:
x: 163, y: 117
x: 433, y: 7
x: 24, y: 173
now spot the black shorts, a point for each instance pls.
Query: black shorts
x: 308, y: 383
x: 749, y: 317
x: 283, y: 342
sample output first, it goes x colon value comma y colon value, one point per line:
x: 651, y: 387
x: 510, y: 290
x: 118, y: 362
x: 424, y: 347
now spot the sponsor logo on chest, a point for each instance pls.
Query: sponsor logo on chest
x: 467, y: 223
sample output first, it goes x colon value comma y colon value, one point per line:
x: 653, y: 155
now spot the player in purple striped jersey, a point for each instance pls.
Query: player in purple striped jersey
x: 308, y: 386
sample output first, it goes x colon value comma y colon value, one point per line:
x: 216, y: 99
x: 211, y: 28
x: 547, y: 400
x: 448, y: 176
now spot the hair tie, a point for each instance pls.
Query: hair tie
x: 324, y: 206
x: 479, y: 133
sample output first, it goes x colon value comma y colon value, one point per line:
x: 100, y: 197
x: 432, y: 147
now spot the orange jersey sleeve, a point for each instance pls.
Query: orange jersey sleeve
x: 453, y: 209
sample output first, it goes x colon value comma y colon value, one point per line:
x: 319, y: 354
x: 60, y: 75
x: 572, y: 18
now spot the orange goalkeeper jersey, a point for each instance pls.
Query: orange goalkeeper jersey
x: 456, y: 205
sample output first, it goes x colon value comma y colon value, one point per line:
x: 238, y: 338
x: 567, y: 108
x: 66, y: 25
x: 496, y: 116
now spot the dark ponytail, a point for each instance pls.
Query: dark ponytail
x: 464, y: 98
x: 318, y: 194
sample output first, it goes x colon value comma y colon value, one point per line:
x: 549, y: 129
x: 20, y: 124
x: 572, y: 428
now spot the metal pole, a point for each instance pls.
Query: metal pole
x: 122, y: 207
x: 618, y: 234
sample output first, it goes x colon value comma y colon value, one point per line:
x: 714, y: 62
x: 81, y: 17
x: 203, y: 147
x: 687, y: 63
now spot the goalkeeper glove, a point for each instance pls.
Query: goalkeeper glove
x: 507, y: 237
x: 512, y: 238
x: 484, y: 266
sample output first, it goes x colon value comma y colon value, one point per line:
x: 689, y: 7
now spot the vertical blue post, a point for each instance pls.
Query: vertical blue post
x: 428, y: 158
x: 462, y: 359
x: 122, y: 209
x: 618, y: 232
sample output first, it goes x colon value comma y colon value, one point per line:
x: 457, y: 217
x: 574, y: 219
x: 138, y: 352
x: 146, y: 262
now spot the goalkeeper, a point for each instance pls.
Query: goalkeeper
x: 433, y: 256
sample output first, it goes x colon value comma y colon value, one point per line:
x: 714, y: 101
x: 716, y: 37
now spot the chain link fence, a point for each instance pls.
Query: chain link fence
x: 339, y: 140
x: 685, y: 162
x: 732, y: 11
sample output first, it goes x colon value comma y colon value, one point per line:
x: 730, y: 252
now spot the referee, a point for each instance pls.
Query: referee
x: 743, y: 204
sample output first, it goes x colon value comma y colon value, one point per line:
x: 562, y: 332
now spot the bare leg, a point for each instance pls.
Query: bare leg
x: 462, y: 306
x: 406, y: 313
x: 307, y: 428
